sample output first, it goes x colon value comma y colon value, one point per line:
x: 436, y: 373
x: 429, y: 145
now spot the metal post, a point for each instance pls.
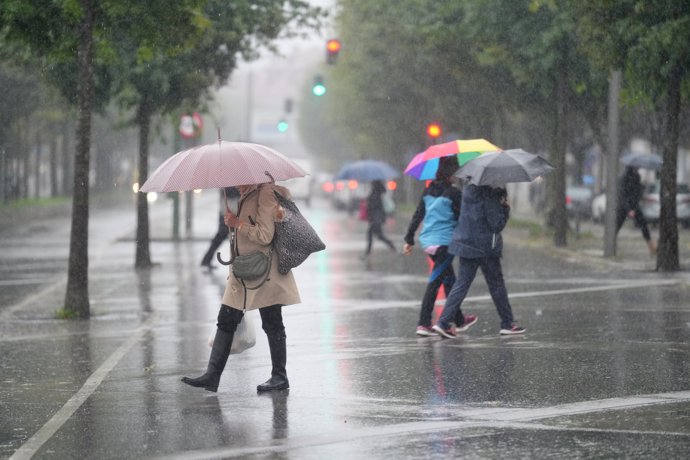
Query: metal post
x: 176, y: 195
x: 612, y: 165
x: 176, y: 216
x: 189, y: 199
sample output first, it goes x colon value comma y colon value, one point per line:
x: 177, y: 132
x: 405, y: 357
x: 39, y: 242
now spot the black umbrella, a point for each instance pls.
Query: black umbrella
x: 499, y: 168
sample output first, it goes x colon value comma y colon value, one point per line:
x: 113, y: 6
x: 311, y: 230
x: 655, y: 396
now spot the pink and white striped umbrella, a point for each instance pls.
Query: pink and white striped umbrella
x: 221, y: 164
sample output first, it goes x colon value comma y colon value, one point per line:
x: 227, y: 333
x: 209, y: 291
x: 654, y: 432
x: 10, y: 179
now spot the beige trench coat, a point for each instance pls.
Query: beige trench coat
x: 260, y: 204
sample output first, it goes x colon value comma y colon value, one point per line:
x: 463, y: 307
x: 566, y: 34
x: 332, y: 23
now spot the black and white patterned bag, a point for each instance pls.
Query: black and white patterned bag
x: 295, y: 239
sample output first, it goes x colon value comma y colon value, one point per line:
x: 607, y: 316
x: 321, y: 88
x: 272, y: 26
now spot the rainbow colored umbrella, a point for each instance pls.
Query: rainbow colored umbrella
x: 424, y: 165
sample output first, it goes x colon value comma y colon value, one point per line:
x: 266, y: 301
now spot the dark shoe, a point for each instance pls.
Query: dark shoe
x: 208, y: 381
x: 273, y: 384
x: 216, y: 362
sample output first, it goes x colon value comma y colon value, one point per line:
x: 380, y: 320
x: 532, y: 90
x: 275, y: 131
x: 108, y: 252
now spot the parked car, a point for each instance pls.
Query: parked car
x: 651, y: 207
x: 578, y: 202
x: 348, y: 193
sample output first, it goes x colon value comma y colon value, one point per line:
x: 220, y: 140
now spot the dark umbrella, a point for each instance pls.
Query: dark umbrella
x: 499, y: 168
x: 367, y: 171
x: 642, y: 160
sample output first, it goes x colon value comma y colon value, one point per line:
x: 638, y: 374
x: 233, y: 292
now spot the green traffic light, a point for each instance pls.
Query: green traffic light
x: 319, y: 89
x: 283, y: 126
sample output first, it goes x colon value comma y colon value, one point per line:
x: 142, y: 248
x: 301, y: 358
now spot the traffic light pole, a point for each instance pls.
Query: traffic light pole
x: 176, y: 195
x: 610, y: 224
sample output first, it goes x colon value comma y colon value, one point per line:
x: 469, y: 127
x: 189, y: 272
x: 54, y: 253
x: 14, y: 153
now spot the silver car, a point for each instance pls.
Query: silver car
x: 651, y: 208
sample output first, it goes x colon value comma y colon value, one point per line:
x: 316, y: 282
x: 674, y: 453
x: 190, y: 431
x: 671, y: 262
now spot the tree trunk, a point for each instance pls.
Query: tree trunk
x: 143, y: 256
x: 77, y: 295
x: 667, y: 252
x: 53, y: 162
x: 67, y: 164
x: 558, y: 148
x: 37, y: 166
x: 26, y: 158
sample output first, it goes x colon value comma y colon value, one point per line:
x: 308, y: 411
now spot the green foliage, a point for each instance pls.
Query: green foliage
x: 646, y: 39
x: 66, y: 313
x: 483, y: 68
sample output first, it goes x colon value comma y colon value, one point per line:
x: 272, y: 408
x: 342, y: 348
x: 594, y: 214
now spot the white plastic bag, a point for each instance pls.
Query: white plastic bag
x: 244, y: 338
x: 388, y: 204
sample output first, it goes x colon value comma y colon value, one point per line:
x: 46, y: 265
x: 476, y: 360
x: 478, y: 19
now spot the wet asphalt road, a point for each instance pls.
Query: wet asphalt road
x: 603, y: 371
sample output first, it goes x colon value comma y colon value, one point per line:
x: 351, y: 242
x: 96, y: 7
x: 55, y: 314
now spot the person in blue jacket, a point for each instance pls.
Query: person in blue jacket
x: 478, y: 243
x: 438, y: 210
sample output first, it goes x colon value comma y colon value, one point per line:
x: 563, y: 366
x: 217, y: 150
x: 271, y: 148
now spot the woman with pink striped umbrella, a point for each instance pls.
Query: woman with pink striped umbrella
x: 252, y: 168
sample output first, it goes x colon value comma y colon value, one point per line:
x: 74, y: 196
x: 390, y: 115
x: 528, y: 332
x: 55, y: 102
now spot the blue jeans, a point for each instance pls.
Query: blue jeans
x: 491, y: 268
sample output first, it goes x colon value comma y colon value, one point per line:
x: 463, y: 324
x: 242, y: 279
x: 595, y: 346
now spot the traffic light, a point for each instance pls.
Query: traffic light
x: 283, y: 125
x: 332, y: 50
x: 288, y: 105
x: 318, y: 88
x: 434, y: 130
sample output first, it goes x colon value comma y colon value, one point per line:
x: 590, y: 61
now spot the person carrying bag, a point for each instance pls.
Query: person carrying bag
x: 254, y: 229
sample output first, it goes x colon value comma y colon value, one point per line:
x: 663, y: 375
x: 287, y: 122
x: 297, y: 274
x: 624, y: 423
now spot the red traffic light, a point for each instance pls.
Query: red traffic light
x: 434, y: 130
x: 332, y: 50
x: 333, y: 45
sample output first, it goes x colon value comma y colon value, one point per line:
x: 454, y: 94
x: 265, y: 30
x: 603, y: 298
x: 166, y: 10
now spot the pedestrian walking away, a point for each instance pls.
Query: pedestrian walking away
x: 629, y: 195
x: 376, y: 216
x: 254, y: 227
x: 229, y: 193
x: 438, y: 211
x: 477, y: 241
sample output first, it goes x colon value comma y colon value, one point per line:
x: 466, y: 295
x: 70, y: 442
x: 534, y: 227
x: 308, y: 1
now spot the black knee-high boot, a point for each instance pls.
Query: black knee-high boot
x: 229, y: 318
x: 278, y: 380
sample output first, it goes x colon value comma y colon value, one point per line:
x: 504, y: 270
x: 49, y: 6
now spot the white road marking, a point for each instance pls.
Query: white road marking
x: 484, y: 417
x: 31, y: 446
x: 351, y: 304
x: 487, y: 418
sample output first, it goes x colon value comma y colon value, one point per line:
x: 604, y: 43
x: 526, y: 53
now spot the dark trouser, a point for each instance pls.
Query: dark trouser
x: 376, y: 228
x: 622, y: 213
x: 272, y: 324
x: 221, y: 235
x: 491, y: 268
x: 441, y: 274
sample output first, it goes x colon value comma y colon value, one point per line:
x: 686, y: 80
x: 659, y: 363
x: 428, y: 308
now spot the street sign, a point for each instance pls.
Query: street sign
x: 191, y: 125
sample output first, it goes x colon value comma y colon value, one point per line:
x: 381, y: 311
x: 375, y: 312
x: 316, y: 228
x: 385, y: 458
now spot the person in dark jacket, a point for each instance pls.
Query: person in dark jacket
x: 222, y: 233
x: 478, y: 243
x: 438, y: 210
x: 376, y: 216
x: 629, y: 196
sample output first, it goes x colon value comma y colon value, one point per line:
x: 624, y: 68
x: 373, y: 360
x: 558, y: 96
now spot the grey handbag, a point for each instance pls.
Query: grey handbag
x: 294, y: 239
x: 252, y: 266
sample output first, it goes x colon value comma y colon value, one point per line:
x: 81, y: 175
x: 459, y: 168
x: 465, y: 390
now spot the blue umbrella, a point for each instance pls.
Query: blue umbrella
x: 367, y: 171
x: 642, y: 160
